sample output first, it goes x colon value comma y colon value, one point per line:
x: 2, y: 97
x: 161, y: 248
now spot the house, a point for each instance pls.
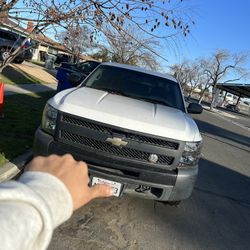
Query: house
x: 44, y: 45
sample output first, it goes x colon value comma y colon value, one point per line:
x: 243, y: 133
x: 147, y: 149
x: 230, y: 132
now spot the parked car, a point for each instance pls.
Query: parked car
x: 233, y: 107
x: 9, y: 41
x: 132, y: 128
x: 70, y: 75
x: 62, y: 58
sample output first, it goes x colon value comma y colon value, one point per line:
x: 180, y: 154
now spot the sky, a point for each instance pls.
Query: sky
x: 219, y: 24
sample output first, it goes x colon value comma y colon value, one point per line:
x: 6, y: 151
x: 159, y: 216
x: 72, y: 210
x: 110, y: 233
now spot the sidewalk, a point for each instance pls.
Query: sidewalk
x: 11, y: 169
x: 28, y: 88
x: 48, y: 76
x: 47, y: 80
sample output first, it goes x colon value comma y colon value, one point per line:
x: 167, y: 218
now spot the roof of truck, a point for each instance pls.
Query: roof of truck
x: 139, y: 69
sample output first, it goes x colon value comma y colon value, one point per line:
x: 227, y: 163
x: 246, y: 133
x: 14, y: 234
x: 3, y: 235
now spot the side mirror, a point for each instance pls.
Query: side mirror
x: 75, y: 78
x: 194, y: 108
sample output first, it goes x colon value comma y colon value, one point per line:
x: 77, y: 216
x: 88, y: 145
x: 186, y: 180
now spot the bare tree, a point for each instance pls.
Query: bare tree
x: 180, y: 72
x: 102, y: 55
x: 122, y: 49
x: 195, y: 75
x: 188, y: 74
x: 146, y: 15
x: 206, y: 79
x: 223, y: 67
x: 78, y: 39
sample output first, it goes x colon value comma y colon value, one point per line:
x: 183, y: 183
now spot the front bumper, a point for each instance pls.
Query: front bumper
x: 169, y: 185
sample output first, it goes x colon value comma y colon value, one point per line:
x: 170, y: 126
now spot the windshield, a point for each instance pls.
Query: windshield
x: 137, y: 85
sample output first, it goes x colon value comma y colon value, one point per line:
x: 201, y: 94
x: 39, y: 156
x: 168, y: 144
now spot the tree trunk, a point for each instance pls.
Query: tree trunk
x: 212, y: 102
x: 190, y: 93
x: 202, y: 95
x: 207, y: 85
x: 213, y: 97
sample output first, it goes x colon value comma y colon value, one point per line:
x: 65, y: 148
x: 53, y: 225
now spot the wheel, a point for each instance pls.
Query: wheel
x: 4, y: 53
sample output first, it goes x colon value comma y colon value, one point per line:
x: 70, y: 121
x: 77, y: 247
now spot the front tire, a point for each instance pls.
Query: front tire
x: 4, y: 54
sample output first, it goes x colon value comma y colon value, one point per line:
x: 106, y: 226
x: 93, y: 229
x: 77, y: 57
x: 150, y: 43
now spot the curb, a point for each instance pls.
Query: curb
x: 11, y: 169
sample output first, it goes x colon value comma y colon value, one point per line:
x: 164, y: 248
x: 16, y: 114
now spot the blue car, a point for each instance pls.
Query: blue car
x: 80, y: 70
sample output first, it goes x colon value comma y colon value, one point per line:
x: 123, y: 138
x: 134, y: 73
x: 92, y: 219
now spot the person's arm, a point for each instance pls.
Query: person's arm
x: 43, y: 198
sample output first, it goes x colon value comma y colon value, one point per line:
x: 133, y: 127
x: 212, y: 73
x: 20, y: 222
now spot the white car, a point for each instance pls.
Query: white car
x: 132, y: 128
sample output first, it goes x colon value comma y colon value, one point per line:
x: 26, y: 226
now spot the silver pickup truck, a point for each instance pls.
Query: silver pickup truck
x: 132, y: 128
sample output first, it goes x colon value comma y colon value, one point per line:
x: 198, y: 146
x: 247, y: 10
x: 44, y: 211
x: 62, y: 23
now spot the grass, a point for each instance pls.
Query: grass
x: 39, y: 63
x: 12, y: 75
x: 2, y: 159
x: 22, y: 116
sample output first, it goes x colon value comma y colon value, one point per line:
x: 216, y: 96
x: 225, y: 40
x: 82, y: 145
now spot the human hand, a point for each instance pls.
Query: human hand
x: 74, y: 174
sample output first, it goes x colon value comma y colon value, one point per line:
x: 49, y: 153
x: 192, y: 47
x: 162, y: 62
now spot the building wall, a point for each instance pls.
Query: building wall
x: 43, y: 48
x: 39, y: 52
x: 35, y: 54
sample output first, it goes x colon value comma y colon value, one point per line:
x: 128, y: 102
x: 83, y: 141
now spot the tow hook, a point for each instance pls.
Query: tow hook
x: 142, y: 189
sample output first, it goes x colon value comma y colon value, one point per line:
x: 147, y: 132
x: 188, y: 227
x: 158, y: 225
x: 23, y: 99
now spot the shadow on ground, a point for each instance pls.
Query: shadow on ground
x: 22, y: 116
x: 217, y: 216
x: 27, y: 88
x: 209, y: 128
x: 17, y: 76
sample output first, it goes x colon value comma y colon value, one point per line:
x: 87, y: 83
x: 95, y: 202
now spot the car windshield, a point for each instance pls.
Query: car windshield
x: 137, y: 85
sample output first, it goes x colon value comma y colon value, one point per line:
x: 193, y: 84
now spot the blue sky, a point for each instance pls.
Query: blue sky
x: 221, y: 24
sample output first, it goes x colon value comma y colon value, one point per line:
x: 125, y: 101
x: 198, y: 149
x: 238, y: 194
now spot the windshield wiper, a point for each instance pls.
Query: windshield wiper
x: 154, y: 101
x: 113, y: 91
x: 118, y: 92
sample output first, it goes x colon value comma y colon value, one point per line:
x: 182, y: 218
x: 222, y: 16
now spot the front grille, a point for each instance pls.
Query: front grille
x: 153, y: 141
x: 135, y: 137
x: 85, y: 124
x: 113, y: 150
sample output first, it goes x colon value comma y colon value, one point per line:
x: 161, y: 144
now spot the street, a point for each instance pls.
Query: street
x: 238, y: 118
x: 216, y: 216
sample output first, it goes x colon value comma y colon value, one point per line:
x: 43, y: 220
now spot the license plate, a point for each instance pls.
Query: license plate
x: 115, y: 185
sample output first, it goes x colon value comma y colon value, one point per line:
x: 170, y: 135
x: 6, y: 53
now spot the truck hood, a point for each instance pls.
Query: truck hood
x: 128, y: 113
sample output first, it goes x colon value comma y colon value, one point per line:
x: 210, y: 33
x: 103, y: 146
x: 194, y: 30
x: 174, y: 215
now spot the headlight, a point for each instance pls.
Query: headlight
x: 191, y: 154
x: 49, y: 119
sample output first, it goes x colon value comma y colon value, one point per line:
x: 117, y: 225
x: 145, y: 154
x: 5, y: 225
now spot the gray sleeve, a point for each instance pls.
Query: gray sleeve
x: 30, y: 209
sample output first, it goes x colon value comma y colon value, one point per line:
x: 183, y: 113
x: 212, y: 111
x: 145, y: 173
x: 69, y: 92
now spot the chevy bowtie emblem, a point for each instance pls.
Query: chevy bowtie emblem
x: 115, y: 141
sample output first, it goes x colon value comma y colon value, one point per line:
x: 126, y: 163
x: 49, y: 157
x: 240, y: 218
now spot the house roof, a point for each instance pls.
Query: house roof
x: 39, y: 37
x: 44, y: 39
x: 10, y: 24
